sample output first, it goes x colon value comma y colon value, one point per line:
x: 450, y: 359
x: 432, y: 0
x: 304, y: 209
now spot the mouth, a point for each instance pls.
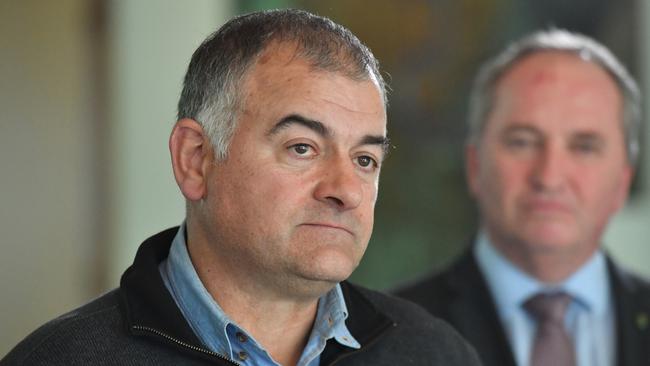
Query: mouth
x: 328, y: 226
x: 547, y: 207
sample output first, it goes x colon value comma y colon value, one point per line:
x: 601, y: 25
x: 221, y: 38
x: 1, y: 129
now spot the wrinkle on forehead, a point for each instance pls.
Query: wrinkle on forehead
x: 353, y: 110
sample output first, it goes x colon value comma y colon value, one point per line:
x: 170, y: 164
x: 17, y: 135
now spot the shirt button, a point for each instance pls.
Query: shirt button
x: 241, y: 337
x: 242, y: 355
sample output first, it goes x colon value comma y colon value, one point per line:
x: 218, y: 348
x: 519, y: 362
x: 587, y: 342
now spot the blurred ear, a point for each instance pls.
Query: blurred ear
x: 471, y: 168
x: 623, y: 189
x: 190, y: 152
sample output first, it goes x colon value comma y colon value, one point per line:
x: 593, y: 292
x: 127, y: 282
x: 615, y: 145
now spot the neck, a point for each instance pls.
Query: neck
x: 548, y: 265
x: 281, y: 328
x: 279, y: 322
x: 548, y: 268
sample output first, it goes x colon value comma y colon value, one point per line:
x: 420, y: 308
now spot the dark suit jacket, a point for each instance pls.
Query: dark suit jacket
x: 460, y: 296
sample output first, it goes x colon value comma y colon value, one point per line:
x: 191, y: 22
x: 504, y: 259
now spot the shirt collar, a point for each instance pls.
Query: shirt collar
x: 511, y: 287
x: 204, y: 315
x: 210, y: 323
x: 590, y: 284
x: 330, y: 320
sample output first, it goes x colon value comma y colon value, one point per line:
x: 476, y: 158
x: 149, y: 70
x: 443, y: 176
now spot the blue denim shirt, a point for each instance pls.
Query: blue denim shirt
x: 220, y: 334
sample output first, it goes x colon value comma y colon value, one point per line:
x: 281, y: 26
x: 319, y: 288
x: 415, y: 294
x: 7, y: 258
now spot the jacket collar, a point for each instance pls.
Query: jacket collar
x: 148, y: 306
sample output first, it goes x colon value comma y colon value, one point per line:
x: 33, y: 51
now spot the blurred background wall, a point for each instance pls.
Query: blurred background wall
x: 88, y: 92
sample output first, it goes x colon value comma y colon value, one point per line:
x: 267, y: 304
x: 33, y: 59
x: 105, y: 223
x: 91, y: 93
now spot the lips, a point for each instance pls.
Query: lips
x: 329, y: 226
x: 549, y: 207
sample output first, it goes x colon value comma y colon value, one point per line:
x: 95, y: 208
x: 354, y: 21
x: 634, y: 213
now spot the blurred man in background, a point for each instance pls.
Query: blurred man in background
x: 279, y: 142
x: 553, y: 141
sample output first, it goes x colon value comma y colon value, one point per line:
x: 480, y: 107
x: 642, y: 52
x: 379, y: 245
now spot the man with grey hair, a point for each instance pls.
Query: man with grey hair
x: 553, y: 140
x: 280, y: 137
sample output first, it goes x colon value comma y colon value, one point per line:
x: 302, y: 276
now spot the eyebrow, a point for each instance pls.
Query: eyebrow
x: 311, y: 124
x: 382, y: 141
x: 589, y: 137
x: 520, y: 128
x: 585, y: 134
x: 324, y: 131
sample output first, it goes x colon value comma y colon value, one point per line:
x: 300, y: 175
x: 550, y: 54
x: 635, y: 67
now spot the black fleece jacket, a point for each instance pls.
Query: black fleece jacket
x: 139, y: 324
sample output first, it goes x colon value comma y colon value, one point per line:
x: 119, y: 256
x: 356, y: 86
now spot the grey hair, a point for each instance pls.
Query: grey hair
x: 482, y: 97
x: 212, y: 93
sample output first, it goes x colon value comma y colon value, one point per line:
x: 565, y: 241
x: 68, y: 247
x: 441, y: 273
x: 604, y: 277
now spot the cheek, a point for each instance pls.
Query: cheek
x: 366, y: 216
x: 247, y: 194
x: 502, y: 188
x: 372, y: 192
x: 605, y: 192
x: 370, y: 195
x: 501, y: 181
x: 283, y: 197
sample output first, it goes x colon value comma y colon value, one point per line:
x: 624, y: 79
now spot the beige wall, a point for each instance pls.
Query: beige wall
x: 150, y: 45
x: 46, y: 159
x: 83, y: 156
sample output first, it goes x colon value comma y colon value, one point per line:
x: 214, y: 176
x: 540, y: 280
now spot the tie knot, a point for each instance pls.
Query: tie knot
x: 548, y: 307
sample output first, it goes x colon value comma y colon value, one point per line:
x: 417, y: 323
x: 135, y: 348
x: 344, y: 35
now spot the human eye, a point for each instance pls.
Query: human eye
x: 586, y: 146
x: 302, y: 150
x: 521, y: 141
x: 367, y: 162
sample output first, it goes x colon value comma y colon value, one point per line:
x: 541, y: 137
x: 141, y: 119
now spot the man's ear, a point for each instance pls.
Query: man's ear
x: 623, y: 188
x: 190, y: 152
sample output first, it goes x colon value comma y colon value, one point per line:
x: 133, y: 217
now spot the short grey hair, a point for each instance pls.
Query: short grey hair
x: 212, y: 93
x: 482, y: 97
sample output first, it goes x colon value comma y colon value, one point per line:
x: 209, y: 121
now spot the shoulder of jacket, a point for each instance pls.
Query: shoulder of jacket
x: 58, y: 333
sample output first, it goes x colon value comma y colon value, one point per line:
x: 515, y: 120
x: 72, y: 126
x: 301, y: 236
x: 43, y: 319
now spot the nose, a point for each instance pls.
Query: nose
x: 340, y: 185
x: 549, y: 169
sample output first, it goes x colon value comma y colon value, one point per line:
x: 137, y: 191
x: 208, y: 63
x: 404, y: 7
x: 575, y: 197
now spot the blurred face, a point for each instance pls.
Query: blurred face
x: 292, y: 205
x: 550, y: 168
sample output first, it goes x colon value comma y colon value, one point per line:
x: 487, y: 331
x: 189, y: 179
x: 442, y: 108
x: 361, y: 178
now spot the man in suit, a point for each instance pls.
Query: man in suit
x: 277, y: 149
x: 553, y: 140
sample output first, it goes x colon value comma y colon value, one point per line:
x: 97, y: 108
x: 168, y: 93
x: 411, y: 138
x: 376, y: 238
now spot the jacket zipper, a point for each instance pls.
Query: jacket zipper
x: 183, y: 344
x: 218, y: 355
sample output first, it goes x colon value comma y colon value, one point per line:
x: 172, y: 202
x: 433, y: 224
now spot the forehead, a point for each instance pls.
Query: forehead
x: 279, y: 78
x: 558, y: 88
x: 550, y: 67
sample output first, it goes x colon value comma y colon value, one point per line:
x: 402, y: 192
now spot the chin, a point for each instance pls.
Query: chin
x: 313, y: 283
x: 331, y: 266
x: 308, y: 289
x: 550, y: 231
x: 332, y: 272
x: 545, y: 239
